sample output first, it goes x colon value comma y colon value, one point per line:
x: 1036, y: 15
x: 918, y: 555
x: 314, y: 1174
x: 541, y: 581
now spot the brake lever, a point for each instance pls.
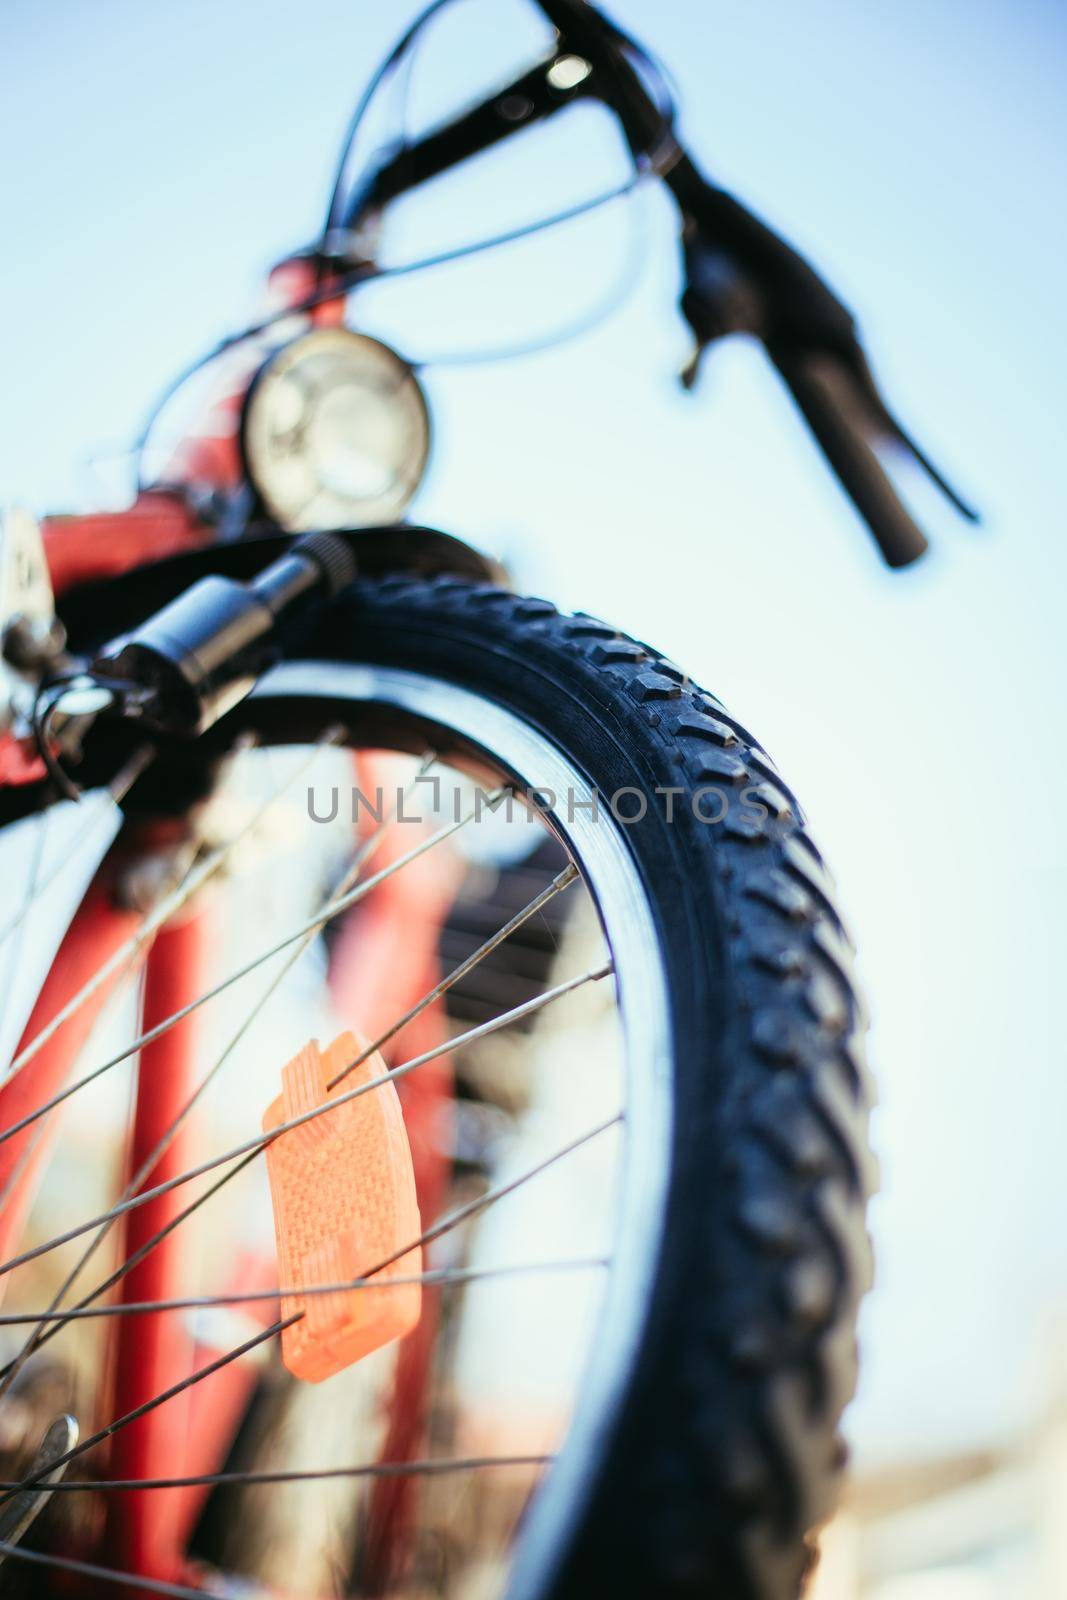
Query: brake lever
x: 742, y: 277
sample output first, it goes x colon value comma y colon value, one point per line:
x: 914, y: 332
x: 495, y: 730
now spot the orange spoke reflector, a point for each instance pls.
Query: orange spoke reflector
x: 343, y: 1190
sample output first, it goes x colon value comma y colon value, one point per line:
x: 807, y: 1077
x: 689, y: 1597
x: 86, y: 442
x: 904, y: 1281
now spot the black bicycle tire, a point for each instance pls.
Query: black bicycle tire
x: 727, y: 1455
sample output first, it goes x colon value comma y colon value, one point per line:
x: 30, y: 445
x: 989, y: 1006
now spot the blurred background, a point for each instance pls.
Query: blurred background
x: 160, y: 159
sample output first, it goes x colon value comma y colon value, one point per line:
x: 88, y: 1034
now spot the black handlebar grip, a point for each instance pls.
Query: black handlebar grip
x: 846, y: 430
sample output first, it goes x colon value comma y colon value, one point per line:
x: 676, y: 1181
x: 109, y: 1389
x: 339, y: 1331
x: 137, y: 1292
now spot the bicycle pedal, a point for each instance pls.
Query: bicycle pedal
x: 343, y: 1190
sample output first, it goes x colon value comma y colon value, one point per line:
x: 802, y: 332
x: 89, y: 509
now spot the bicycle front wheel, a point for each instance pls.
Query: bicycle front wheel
x: 705, y: 1446
x: 702, y: 1447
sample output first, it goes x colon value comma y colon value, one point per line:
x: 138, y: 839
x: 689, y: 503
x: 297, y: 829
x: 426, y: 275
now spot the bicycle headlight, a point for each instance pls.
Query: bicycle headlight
x: 335, y: 432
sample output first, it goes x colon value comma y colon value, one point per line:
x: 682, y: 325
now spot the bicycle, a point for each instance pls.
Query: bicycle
x: 262, y: 594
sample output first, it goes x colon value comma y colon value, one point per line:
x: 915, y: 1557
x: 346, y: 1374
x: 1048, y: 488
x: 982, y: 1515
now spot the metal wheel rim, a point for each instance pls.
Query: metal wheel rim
x: 478, y: 726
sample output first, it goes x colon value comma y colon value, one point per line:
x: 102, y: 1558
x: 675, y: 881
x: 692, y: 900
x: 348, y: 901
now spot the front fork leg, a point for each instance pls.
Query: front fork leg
x: 154, y: 1351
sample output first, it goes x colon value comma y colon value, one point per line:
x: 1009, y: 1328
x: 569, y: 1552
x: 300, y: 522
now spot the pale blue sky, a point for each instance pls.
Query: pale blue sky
x: 158, y: 158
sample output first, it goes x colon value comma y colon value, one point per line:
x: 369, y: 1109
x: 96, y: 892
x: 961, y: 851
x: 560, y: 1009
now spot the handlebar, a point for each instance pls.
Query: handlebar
x: 739, y: 275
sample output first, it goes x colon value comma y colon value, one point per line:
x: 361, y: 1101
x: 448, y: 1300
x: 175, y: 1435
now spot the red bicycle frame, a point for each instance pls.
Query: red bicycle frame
x: 380, y: 966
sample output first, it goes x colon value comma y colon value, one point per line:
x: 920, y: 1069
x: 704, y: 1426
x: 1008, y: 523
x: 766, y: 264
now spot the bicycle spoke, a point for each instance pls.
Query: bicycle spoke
x: 150, y: 1405
x: 275, y: 1328
x: 437, y: 1230
x: 343, y: 899
x: 88, y: 1569
x: 433, y: 1277
x: 45, y: 1333
x: 42, y: 1132
x: 161, y: 913
x: 459, y: 1041
x: 561, y: 881
x: 147, y: 1166
x: 287, y: 1303
x: 26, y: 1155
x: 568, y: 876
x: 282, y: 1323
x: 481, y: 1202
x: 430, y: 1467
x: 117, y: 994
